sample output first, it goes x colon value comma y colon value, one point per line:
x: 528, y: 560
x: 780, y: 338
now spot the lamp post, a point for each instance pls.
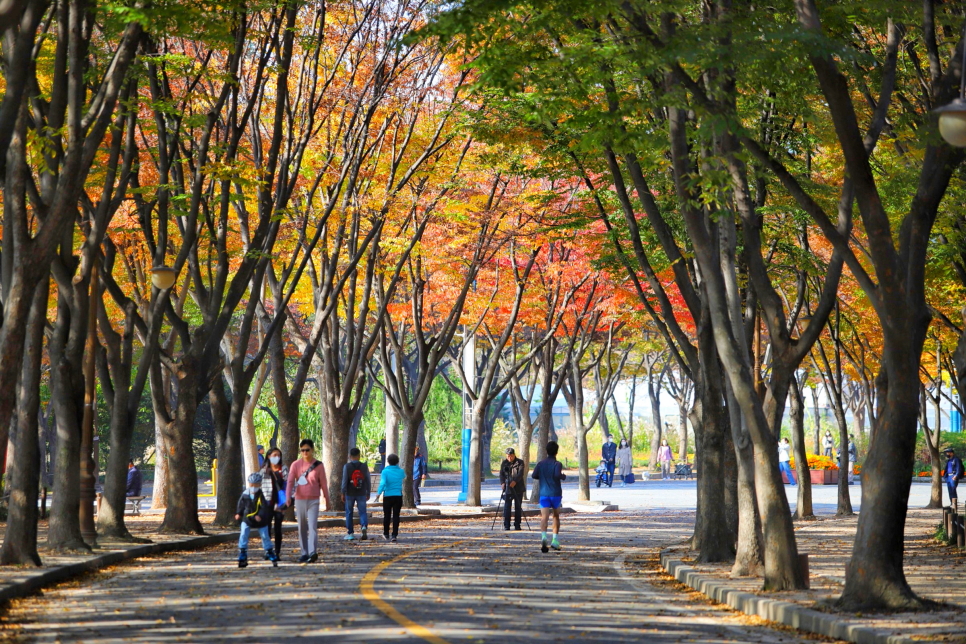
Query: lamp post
x: 163, y: 277
x: 88, y: 468
x: 952, y: 117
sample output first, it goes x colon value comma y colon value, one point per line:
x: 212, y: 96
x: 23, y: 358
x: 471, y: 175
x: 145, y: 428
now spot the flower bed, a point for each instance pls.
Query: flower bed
x: 820, y: 477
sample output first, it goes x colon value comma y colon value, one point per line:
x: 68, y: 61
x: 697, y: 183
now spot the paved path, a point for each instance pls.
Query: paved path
x: 445, y: 581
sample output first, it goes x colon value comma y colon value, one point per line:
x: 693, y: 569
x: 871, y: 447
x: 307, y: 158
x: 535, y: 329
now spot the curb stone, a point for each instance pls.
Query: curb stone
x: 783, y: 612
x: 38, y: 581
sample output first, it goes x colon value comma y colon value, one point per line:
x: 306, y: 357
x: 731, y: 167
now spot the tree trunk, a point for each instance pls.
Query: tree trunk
x: 20, y: 539
x: 844, y: 507
x: 159, y: 489
x: 932, y: 444
x: 181, y: 513
x: 230, y: 469
x: 817, y: 419
x: 655, y: 396
x: 875, y: 578
x: 335, y: 451
x: 110, y: 514
x: 683, y: 431
x: 66, y: 388
x: 712, y: 535
x: 803, y: 508
x: 749, y: 554
x: 392, y: 429
x: 474, y: 492
x: 583, y: 463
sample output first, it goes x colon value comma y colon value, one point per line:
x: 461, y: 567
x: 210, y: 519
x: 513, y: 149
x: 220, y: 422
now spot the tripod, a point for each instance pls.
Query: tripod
x: 502, y: 497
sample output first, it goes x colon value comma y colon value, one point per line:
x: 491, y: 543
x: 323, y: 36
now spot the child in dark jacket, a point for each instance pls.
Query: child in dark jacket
x: 254, y: 511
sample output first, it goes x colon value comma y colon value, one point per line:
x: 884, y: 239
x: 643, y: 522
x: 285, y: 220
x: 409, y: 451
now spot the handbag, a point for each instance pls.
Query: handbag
x: 629, y: 478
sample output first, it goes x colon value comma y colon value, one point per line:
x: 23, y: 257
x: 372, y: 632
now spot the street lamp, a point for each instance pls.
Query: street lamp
x: 163, y: 277
x: 952, y: 117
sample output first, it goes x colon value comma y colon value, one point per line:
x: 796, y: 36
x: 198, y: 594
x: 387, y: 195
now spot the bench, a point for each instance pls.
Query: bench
x: 132, y: 504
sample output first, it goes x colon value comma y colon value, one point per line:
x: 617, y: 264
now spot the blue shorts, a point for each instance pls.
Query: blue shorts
x: 552, y: 502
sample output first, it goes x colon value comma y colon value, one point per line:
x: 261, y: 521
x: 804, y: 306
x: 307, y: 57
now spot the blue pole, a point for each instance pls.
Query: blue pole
x: 465, y: 465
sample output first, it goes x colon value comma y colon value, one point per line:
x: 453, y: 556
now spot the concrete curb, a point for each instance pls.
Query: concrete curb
x: 783, y: 612
x: 57, y: 574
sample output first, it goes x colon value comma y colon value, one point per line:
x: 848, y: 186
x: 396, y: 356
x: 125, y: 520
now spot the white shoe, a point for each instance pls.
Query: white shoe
x: 349, y: 537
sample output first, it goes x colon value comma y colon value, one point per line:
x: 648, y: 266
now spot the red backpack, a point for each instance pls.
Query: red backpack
x: 356, y: 485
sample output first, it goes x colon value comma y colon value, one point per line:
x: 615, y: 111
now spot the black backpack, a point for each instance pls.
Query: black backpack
x: 355, y: 484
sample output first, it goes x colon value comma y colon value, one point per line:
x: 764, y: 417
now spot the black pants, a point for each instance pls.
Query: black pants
x: 277, y: 530
x: 417, y: 499
x: 515, y: 500
x: 391, y: 505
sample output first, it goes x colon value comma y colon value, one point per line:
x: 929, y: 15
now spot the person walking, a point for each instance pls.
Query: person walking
x: 390, y: 488
x: 608, y: 453
x: 306, y: 481
x: 134, y: 480
x: 253, y: 511
x: 953, y: 473
x: 420, y: 467
x: 549, y: 472
x: 625, y: 461
x: 784, y: 460
x: 664, y: 458
x: 274, y: 479
x: 513, y: 480
x: 382, y: 454
x: 356, y: 488
x: 828, y: 444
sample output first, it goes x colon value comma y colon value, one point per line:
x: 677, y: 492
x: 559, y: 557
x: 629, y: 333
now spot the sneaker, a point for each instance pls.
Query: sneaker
x: 555, y: 544
x: 243, y: 563
x: 304, y: 559
x: 365, y: 536
x: 518, y: 528
x: 386, y: 537
x: 506, y: 527
x: 543, y: 546
x: 349, y: 537
x: 266, y: 557
x: 313, y: 557
x: 393, y: 540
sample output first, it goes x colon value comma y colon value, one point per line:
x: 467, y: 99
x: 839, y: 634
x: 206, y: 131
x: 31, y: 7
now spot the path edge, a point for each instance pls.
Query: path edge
x: 783, y: 612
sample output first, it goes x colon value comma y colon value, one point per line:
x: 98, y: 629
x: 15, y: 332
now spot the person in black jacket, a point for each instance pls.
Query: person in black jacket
x: 609, y: 455
x: 254, y: 511
x: 513, y: 479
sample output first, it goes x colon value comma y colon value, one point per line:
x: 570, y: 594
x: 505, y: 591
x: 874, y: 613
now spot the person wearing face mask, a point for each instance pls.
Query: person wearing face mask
x: 274, y: 475
x: 625, y: 460
x: 306, y: 481
x: 828, y: 443
x: 664, y: 458
x: 253, y: 511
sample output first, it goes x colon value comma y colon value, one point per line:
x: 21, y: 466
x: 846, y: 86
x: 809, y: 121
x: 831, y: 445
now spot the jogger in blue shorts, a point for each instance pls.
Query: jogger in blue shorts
x: 550, y: 473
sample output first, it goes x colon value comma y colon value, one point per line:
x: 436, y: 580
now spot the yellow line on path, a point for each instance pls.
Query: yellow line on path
x: 367, y: 588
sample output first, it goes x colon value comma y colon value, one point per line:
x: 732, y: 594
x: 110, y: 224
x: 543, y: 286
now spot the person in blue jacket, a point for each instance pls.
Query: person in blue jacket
x: 609, y: 454
x: 420, y: 467
x: 953, y: 473
x: 134, y: 480
x: 549, y: 472
x: 390, y: 487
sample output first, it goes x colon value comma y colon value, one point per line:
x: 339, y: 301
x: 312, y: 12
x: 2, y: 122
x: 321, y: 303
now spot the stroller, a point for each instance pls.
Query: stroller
x: 683, y: 470
x: 601, y: 474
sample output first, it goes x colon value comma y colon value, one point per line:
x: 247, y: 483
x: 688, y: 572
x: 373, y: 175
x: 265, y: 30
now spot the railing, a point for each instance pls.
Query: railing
x: 953, y: 526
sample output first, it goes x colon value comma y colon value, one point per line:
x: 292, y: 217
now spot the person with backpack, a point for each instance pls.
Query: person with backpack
x: 253, y: 511
x: 356, y: 488
x: 953, y: 473
x: 420, y: 467
x: 390, y: 488
x: 306, y: 481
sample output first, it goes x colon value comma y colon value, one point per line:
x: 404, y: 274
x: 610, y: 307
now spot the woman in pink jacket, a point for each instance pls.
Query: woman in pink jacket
x: 664, y: 458
x: 306, y: 481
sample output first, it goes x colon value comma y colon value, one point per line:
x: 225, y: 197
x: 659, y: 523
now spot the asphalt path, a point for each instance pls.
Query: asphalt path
x: 446, y: 581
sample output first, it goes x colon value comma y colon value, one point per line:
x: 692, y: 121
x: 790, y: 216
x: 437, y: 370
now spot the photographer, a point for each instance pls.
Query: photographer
x: 512, y: 478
